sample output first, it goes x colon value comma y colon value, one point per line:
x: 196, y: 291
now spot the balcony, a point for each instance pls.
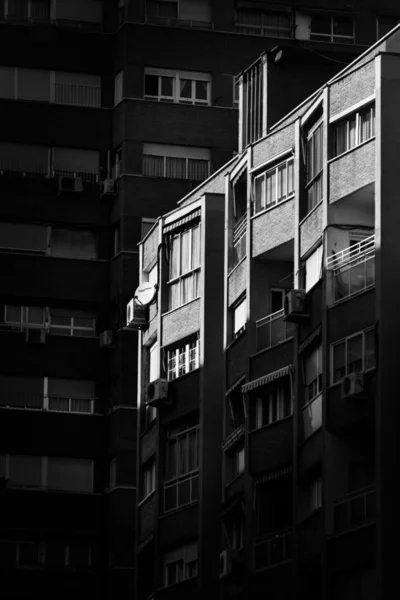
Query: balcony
x: 77, y: 95
x: 273, y: 549
x: 353, y: 269
x: 273, y: 330
x: 354, y: 510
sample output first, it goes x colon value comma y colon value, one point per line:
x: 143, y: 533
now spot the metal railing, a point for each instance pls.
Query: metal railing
x: 354, y: 509
x: 272, y: 330
x: 273, y: 549
x: 77, y: 95
x: 353, y: 269
x: 21, y: 400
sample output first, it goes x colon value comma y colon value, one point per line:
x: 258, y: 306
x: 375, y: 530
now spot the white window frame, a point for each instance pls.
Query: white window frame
x: 186, y: 153
x: 192, y: 272
x: 345, y: 340
x: 333, y: 37
x: 316, y: 176
x: 357, y: 135
x: 236, y: 92
x: 184, y: 357
x: 24, y: 322
x: 239, y: 324
x: 176, y: 77
x: 72, y: 328
x: 264, y: 177
x: 178, y: 438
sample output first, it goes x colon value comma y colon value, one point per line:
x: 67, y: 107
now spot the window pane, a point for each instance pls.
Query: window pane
x: 151, y: 85
x: 259, y: 191
x: 340, y: 138
x: 321, y: 24
x: 170, y: 497
x: 185, y: 88
x: 354, y: 354
x: 342, y: 26
x: 167, y: 88
x: 175, y: 167
x: 184, y: 492
x: 61, y: 321
x: 198, y: 169
x: 7, y: 78
x: 282, y: 185
x: 195, y: 247
x: 172, y: 459
x: 339, y: 362
x: 352, y: 131
x: 201, y: 90
x: 239, y: 316
x: 13, y: 314
x: 35, y: 315
x: 33, y: 84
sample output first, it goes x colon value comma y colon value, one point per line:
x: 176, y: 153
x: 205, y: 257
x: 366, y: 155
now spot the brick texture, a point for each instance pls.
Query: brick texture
x: 237, y: 282
x: 147, y: 517
x: 353, y: 171
x: 150, y: 248
x: 310, y: 230
x: 273, y: 145
x: 352, y: 89
x: 181, y: 322
x: 273, y: 228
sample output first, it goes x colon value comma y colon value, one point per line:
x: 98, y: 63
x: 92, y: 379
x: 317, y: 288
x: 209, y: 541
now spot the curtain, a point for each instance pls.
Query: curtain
x: 198, y: 169
x: 175, y: 167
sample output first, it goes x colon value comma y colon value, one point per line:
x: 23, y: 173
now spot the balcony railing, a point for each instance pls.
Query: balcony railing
x: 21, y: 400
x: 77, y: 95
x: 273, y: 549
x: 272, y: 330
x: 353, y: 268
x: 355, y: 509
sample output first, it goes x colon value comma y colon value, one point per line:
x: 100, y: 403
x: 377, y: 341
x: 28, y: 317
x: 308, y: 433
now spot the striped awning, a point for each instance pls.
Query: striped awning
x: 235, y: 385
x: 273, y: 475
x: 182, y: 221
x: 252, y: 385
x: 309, y: 340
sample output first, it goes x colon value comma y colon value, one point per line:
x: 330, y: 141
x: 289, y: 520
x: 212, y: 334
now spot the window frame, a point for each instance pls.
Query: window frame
x: 186, y: 555
x: 318, y: 253
x: 370, y: 107
x: 175, y: 362
x: 175, y: 441
x: 333, y: 345
x: 263, y: 177
x: 177, y: 77
x: 24, y: 309
x: 267, y: 401
x: 72, y: 328
x: 332, y: 37
x: 192, y: 272
x: 169, y: 155
x: 148, y: 478
x: 264, y: 29
x: 316, y: 176
x: 316, y: 384
x: 240, y: 304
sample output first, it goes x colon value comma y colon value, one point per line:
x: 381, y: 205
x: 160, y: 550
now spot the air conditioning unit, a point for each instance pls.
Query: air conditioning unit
x: 35, y: 335
x: 226, y: 563
x: 136, y: 315
x: 295, y: 306
x: 70, y: 184
x: 108, y: 187
x: 157, y: 393
x: 106, y: 339
x: 352, y: 385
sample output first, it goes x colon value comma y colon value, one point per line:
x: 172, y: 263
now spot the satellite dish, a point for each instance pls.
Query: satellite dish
x: 145, y: 293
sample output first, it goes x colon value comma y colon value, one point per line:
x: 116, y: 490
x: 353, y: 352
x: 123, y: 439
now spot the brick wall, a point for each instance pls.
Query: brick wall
x: 352, y: 89
x: 181, y: 322
x: 237, y: 282
x: 353, y: 171
x: 147, y: 517
x: 273, y: 228
x: 310, y: 230
x: 150, y: 248
x: 273, y: 145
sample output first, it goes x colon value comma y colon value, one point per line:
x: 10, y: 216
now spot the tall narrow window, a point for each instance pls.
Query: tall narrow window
x: 182, y: 468
x: 313, y: 374
x: 273, y: 186
x: 184, y: 267
x: 355, y: 353
x: 314, y: 166
x: 239, y: 317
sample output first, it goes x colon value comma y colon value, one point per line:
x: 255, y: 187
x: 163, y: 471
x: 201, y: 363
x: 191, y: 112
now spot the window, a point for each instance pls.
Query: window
x: 183, y: 359
x: 154, y: 362
x: 48, y: 472
x: 69, y: 395
x: 71, y: 162
x: 73, y: 243
x: 384, y: 24
x: 21, y: 392
x: 69, y: 322
x: 177, y: 86
x: 234, y: 530
x: 272, y: 404
x: 312, y: 497
x: 148, y: 478
x: 25, y: 316
x: 273, y: 186
x: 313, y: 268
x: 354, y: 130
x: 25, y: 9
x: 118, y: 88
x: 315, y: 141
x: 181, y: 484
x: 236, y: 92
x: 180, y: 564
x: 147, y: 225
x: 86, y: 11
x: 176, y: 162
x: 236, y: 408
x: 266, y: 23
x: 254, y: 125
x: 239, y: 317
x: 198, y: 11
x: 277, y: 299
x: 79, y: 89
x: 313, y: 374
x: 355, y: 353
x: 239, y: 241
x: 184, y: 267
x: 339, y: 30
x: 353, y: 267
x: 236, y: 462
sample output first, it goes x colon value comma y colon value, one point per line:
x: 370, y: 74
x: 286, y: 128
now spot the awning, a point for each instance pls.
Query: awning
x: 273, y: 475
x: 316, y: 333
x: 183, y: 221
x: 252, y: 385
x: 235, y: 385
x: 233, y: 438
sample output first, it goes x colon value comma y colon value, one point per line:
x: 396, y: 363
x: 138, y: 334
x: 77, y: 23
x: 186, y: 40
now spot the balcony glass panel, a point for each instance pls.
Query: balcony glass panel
x: 272, y: 330
x: 354, y: 509
x: 353, y: 269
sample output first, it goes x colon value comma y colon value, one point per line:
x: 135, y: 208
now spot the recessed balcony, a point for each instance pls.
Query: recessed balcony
x: 272, y: 330
x: 273, y: 549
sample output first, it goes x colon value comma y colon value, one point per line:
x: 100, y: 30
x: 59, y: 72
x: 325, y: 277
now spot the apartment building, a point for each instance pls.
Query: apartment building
x: 111, y: 112
x: 298, y: 485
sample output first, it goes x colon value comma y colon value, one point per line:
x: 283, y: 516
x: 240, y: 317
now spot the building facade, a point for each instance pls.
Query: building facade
x: 111, y: 112
x: 304, y: 500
